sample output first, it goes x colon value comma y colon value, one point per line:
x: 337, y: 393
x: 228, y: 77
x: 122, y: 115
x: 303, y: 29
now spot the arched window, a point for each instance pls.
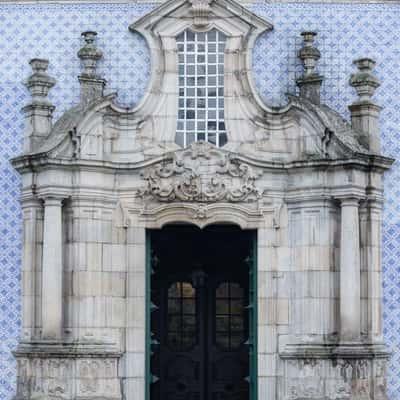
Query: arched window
x: 201, y: 88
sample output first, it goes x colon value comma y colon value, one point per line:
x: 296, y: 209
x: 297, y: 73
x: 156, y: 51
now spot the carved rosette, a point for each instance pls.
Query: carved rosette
x: 201, y: 173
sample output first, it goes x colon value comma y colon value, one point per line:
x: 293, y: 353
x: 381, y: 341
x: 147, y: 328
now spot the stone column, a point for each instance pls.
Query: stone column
x: 350, y: 303
x: 52, y: 315
x: 374, y: 270
x: 31, y: 266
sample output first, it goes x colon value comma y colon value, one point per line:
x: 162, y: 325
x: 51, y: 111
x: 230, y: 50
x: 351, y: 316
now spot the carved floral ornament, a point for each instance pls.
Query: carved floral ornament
x: 202, y: 173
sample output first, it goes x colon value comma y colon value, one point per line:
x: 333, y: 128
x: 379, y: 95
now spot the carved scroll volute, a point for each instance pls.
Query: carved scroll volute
x: 201, y: 173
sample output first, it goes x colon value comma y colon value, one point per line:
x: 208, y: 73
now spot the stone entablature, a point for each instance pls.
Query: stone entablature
x: 309, y: 182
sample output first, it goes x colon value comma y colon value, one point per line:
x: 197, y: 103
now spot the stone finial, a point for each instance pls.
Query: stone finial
x: 39, y: 83
x: 39, y: 112
x: 89, y: 54
x: 364, y: 81
x: 310, y: 82
x: 364, y: 112
x: 309, y: 54
x: 92, y: 85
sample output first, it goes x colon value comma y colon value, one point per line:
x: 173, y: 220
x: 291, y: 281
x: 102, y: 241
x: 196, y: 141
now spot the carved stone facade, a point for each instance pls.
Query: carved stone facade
x: 308, y: 181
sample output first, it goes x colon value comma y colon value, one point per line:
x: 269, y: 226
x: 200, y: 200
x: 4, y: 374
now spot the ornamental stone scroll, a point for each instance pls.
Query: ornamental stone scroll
x: 202, y: 173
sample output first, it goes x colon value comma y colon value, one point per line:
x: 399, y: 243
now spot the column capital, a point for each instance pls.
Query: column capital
x: 53, y: 201
x: 351, y: 200
x: 52, y: 198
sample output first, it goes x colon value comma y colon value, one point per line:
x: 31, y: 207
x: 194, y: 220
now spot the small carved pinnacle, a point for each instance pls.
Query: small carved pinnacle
x: 310, y: 82
x: 364, y: 81
x: 39, y: 83
x: 89, y: 54
x: 309, y: 54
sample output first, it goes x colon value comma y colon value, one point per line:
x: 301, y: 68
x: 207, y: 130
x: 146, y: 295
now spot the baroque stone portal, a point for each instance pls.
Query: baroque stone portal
x: 201, y: 148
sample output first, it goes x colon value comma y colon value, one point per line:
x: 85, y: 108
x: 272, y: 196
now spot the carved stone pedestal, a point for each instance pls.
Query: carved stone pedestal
x: 357, y: 374
x: 47, y: 371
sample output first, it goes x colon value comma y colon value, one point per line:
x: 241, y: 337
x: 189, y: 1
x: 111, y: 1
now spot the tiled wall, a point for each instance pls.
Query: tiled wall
x: 346, y: 31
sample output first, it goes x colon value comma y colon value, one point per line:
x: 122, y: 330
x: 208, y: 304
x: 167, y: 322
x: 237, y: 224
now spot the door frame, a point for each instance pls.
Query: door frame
x: 253, y: 319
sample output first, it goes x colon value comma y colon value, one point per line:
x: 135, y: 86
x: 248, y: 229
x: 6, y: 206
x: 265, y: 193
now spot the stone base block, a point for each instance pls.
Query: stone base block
x: 334, y: 379
x: 47, y: 372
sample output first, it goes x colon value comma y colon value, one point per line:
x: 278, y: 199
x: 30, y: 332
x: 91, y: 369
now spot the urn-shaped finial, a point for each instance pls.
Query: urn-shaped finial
x: 39, y: 83
x: 364, y: 81
x: 310, y: 82
x: 89, y: 54
x: 309, y: 54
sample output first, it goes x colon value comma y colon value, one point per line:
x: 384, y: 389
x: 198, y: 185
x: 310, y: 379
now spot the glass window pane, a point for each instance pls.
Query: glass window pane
x: 222, y: 340
x: 237, y: 324
x: 223, y: 139
x: 190, y: 36
x: 188, y: 290
x: 190, y: 69
x: 189, y: 323
x: 190, y: 138
x: 174, y: 339
x: 236, y: 290
x: 222, y: 306
x: 174, y: 323
x: 174, y: 290
x: 180, y: 139
x: 189, y: 306
x: 212, y: 138
x: 236, y: 341
x: 222, y: 323
x: 190, y: 103
x: 174, y: 306
x: 237, y: 307
x: 212, y: 69
x: 212, y: 81
x: 222, y: 290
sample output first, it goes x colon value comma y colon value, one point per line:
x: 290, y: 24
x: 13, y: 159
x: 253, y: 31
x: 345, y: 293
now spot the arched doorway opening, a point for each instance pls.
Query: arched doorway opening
x: 202, y: 308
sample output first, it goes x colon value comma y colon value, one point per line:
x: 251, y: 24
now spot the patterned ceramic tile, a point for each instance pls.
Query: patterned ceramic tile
x: 345, y: 32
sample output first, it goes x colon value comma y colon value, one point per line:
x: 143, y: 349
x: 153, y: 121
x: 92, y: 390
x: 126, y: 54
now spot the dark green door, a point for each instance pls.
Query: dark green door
x: 200, y: 319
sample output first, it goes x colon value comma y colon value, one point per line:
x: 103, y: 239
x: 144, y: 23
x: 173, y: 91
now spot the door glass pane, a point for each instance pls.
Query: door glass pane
x: 181, y: 333
x: 229, y: 315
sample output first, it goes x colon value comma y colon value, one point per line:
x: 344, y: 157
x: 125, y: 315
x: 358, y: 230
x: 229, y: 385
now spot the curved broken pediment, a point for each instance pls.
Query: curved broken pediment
x: 176, y: 102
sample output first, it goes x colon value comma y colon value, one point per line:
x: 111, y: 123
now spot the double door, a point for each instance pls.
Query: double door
x: 200, y: 328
